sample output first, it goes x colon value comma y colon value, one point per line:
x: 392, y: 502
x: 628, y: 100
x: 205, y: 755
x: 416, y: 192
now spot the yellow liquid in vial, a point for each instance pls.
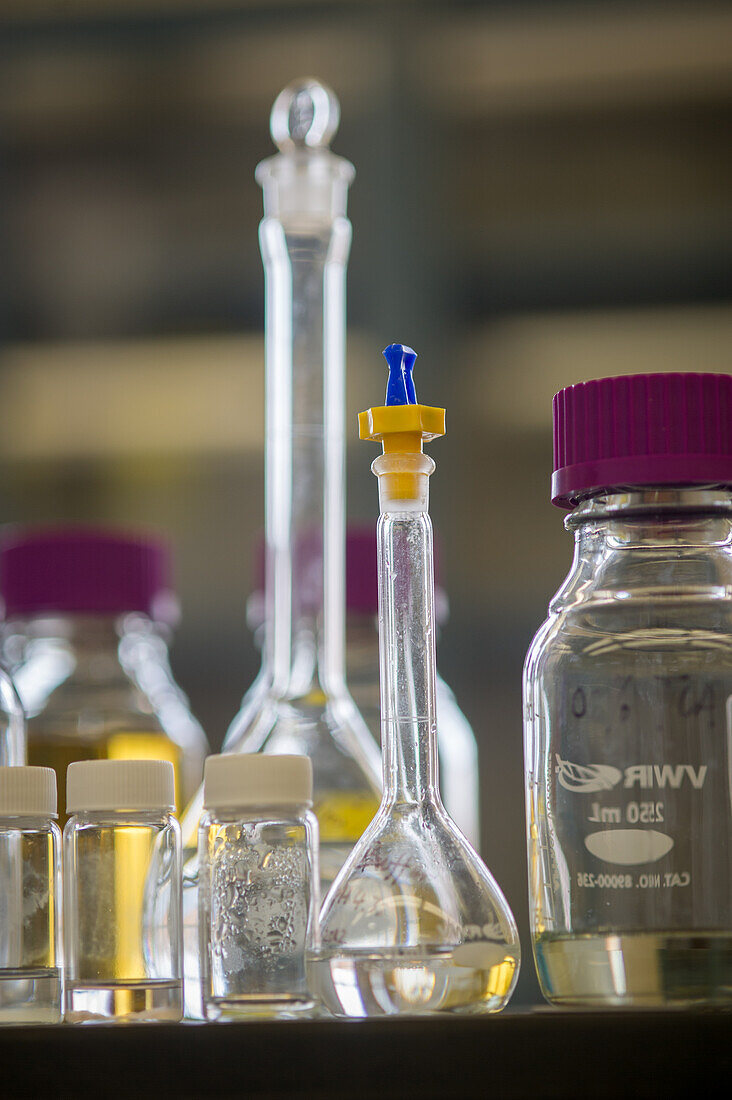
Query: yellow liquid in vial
x: 49, y: 751
x: 111, y: 973
x: 636, y: 968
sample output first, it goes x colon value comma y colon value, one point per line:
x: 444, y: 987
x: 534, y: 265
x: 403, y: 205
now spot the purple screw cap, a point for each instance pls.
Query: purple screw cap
x: 641, y: 429
x: 82, y: 570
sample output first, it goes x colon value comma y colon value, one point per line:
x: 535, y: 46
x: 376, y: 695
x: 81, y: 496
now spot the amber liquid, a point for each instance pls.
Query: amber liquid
x: 342, y: 817
x: 57, y: 752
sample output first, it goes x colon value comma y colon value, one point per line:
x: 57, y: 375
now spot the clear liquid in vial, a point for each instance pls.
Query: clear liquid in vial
x: 30, y: 995
x: 133, y: 1001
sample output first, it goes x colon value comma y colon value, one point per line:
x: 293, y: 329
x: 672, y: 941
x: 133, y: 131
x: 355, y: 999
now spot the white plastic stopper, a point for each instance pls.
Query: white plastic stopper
x: 239, y: 781
x: 28, y: 790
x: 120, y: 785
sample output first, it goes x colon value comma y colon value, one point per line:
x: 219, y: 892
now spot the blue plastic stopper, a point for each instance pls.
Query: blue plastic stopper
x: 400, y: 387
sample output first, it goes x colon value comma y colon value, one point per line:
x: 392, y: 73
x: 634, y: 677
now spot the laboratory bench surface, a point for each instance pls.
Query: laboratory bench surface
x: 534, y: 1053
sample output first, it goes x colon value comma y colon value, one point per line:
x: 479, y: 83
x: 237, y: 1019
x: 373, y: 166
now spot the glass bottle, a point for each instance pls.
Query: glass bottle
x: 627, y: 697
x: 88, y: 615
x: 457, y: 749
x: 122, y: 893
x: 414, y: 923
x: 31, y: 975
x: 258, y: 893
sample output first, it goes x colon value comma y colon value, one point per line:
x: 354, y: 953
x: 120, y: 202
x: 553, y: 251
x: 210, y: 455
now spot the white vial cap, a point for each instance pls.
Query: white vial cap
x: 120, y: 785
x: 28, y: 791
x: 238, y: 781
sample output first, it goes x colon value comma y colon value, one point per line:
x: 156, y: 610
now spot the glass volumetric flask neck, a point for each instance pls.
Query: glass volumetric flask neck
x: 414, y: 923
x: 457, y: 749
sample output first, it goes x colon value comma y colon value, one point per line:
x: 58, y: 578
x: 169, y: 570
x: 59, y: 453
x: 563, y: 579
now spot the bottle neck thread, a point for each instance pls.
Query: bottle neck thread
x: 650, y: 542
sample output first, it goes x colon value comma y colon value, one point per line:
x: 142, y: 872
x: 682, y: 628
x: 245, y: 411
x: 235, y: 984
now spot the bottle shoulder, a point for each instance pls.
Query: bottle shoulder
x: 131, y: 691
x: 680, y: 633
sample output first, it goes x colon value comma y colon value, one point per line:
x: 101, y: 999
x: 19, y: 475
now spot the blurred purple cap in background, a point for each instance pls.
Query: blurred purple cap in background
x: 83, y: 570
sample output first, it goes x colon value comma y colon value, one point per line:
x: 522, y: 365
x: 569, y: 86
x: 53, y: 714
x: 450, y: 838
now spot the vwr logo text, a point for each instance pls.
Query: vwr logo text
x: 589, y: 778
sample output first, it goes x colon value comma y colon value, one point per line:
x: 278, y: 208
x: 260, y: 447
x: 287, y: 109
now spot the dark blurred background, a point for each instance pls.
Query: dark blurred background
x: 542, y: 197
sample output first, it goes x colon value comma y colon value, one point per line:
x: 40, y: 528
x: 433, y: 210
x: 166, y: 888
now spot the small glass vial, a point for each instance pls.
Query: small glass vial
x: 122, y: 893
x: 628, y: 701
x: 258, y: 893
x: 30, y: 898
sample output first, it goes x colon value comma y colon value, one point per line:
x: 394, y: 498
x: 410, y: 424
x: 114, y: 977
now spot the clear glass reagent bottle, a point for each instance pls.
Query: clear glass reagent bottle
x: 628, y: 701
x: 31, y: 974
x: 258, y: 885
x: 122, y: 893
x: 88, y: 620
x: 414, y: 922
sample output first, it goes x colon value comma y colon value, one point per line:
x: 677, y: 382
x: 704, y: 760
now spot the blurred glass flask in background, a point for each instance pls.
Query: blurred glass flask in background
x: 300, y: 703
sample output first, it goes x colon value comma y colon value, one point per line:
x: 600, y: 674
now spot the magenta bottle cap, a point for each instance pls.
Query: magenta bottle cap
x: 641, y: 430
x: 80, y: 570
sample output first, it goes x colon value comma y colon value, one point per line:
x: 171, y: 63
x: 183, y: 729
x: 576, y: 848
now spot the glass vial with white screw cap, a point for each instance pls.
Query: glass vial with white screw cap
x: 31, y: 976
x: 258, y: 885
x: 415, y: 922
x: 122, y: 892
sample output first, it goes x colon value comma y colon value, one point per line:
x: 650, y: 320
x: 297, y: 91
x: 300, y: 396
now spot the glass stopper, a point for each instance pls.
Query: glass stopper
x: 305, y: 115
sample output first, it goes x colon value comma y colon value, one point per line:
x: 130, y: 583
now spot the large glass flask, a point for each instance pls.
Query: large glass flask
x: 300, y: 703
x: 414, y: 923
x: 628, y: 701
